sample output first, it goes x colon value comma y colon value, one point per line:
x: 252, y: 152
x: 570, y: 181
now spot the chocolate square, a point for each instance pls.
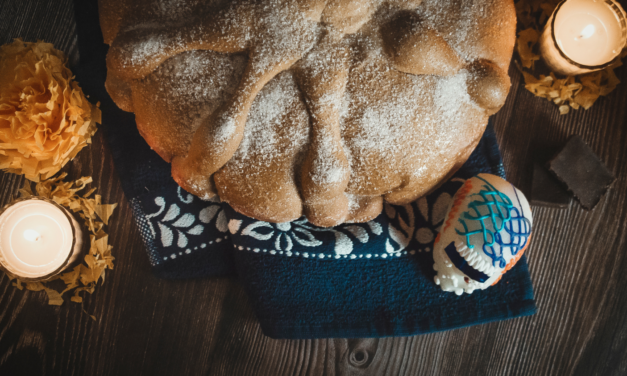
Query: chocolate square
x: 546, y: 190
x: 581, y: 170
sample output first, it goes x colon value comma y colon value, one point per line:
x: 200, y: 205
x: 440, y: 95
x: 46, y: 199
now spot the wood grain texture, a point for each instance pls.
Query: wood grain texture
x: 148, y: 326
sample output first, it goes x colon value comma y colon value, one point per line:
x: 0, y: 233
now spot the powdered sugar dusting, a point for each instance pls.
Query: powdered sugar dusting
x: 395, y: 128
x: 197, y: 82
x: 450, y: 94
x: 178, y: 10
x: 226, y: 129
x: 285, y: 34
x: 383, y: 114
x: 353, y: 202
x: 204, y: 77
x: 471, y: 28
x: 149, y: 47
x: 262, y: 135
x: 172, y: 102
x: 327, y: 168
x: 411, y: 124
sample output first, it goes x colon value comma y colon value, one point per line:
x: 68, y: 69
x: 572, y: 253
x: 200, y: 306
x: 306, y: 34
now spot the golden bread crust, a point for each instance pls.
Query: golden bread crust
x: 322, y: 108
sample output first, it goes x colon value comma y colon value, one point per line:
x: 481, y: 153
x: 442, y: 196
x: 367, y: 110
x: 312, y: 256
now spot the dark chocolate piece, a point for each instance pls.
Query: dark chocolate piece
x: 546, y: 190
x: 581, y: 170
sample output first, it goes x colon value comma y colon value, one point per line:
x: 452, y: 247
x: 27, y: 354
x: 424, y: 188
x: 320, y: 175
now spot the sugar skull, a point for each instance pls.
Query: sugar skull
x: 486, y: 231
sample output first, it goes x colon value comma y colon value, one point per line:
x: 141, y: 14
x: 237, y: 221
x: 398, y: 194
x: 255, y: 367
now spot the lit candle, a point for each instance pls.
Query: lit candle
x: 38, y: 239
x: 583, y: 36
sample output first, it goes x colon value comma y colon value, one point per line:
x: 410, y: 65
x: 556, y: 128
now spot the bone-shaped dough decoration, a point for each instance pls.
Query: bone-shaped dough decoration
x: 332, y: 48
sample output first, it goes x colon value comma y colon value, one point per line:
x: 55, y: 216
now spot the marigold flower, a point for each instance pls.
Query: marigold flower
x: 45, y: 119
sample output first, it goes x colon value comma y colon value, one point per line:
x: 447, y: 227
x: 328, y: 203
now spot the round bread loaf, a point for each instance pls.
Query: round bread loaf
x: 321, y: 108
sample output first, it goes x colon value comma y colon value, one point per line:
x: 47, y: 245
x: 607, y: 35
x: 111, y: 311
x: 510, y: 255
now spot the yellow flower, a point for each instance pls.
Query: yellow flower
x: 45, y: 119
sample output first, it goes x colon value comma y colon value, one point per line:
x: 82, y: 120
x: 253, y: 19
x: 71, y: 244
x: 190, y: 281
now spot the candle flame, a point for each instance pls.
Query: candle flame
x: 32, y: 235
x: 587, y: 32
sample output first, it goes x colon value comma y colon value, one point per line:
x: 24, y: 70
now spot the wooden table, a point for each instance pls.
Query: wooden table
x: 149, y: 326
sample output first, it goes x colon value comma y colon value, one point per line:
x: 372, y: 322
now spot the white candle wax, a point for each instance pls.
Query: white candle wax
x: 583, y: 35
x: 37, y: 239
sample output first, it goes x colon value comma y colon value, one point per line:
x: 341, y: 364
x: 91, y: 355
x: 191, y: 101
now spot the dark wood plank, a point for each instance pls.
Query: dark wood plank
x: 148, y: 326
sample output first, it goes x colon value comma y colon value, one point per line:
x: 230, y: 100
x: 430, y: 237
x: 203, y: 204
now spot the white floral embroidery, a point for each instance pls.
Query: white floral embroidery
x: 208, y: 213
x: 173, y: 225
x: 359, y: 232
x: 426, y: 235
x: 234, y: 225
x: 179, y: 225
x: 175, y: 228
x: 250, y: 230
x: 403, y: 236
x: 303, y: 233
x: 375, y: 227
x: 286, y: 233
x: 188, y: 199
x: 343, y: 244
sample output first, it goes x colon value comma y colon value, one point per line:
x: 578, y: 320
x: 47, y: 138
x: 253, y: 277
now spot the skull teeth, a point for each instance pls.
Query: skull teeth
x: 480, y: 265
x: 474, y: 259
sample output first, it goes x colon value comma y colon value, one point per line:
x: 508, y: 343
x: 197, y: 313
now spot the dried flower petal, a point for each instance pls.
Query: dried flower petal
x: 34, y: 286
x: 54, y: 298
x: 525, y: 42
x: 105, y: 211
x: 71, y: 278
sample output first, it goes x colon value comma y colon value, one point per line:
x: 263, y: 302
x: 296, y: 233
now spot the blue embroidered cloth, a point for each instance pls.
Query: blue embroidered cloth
x: 356, y: 280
